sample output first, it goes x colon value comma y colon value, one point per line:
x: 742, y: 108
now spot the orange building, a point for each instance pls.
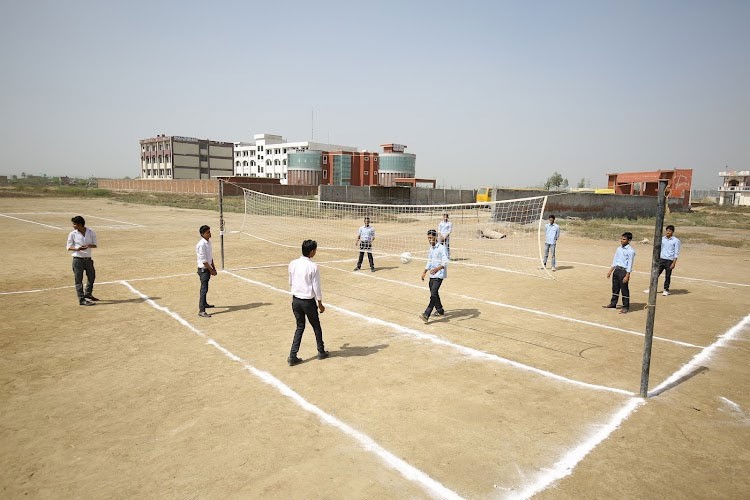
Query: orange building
x: 679, y: 183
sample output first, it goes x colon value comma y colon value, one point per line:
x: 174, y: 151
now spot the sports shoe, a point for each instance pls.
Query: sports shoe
x: 86, y: 303
x: 372, y: 269
x: 208, y: 306
x: 440, y: 313
x: 609, y: 306
x: 294, y: 361
x: 204, y: 314
x: 323, y: 355
x: 624, y: 310
x: 424, y: 318
x: 356, y: 269
x: 91, y: 297
x: 646, y: 290
x: 665, y: 292
x: 542, y: 267
x: 554, y: 269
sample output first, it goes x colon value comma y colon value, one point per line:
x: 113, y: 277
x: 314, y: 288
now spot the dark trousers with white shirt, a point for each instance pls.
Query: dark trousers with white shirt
x: 666, y: 265
x: 306, y: 308
x: 618, y: 285
x: 435, y: 302
x: 205, y: 276
x: 84, y: 265
x: 365, y: 247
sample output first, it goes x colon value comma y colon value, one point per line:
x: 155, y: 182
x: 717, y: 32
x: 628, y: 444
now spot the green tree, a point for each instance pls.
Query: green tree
x: 581, y: 183
x: 554, y: 181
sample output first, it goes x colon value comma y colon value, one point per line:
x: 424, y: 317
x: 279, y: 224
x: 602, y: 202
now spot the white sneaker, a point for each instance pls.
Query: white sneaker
x: 646, y: 290
x: 665, y: 293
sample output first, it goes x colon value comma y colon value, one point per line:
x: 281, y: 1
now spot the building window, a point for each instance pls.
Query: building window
x: 268, y: 162
x: 375, y: 172
x: 237, y: 164
x: 244, y: 163
x: 367, y: 172
x: 367, y: 158
x: 283, y: 162
x: 166, y: 158
x: 325, y: 174
x: 325, y: 160
x: 252, y: 163
x: 376, y: 158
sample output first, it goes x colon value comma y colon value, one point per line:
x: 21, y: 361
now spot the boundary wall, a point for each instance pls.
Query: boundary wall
x: 205, y: 186
x: 583, y: 205
x: 396, y: 195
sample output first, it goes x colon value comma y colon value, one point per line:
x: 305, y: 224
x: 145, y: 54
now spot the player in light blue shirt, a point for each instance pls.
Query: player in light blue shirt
x: 622, y: 266
x: 365, y: 237
x: 437, y: 262
x: 552, y: 232
x: 670, y: 251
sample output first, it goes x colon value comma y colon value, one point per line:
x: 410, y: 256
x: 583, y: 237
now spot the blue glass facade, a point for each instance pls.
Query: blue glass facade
x: 402, y: 164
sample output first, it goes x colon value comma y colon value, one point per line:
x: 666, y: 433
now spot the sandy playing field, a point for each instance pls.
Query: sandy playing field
x: 527, y: 387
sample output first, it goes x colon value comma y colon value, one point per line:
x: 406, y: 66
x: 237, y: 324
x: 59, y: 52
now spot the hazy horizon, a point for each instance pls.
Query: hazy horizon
x: 484, y: 93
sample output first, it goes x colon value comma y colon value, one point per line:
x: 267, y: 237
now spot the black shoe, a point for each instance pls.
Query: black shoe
x: 609, y: 306
x: 204, y: 314
x: 372, y: 269
x: 294, y: 361
x: 86, y: 303
x: 323, y: 355
x: 208, y: 306
x: 91, y: 297
x: 356, y: 269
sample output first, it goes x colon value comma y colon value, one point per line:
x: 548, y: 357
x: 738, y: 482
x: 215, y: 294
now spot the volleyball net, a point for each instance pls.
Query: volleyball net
x: 502, y: 235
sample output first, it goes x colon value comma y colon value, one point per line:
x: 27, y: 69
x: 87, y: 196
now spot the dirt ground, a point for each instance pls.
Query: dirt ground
x: 527, y: 387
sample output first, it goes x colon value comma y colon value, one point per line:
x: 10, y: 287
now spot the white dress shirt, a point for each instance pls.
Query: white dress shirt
x: 76, y: 239
x: 444, y: 228
x: 204, y: 253
x: 304, y: 279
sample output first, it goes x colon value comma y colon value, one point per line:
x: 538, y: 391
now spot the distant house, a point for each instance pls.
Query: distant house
x: 735, y: 190
x: 679, y: 184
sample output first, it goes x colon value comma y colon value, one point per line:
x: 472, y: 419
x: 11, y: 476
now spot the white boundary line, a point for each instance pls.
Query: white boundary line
x: 564, y: 467
x: 408, y: 471
x: 466, y: 351
x: 32, y: 222
x: 531, y: 311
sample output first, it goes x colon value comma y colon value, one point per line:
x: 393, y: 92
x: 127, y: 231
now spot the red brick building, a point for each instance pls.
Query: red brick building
x: 679, y: 183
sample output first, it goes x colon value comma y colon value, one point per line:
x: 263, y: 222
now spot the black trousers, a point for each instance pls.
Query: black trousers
x: 666, y: 265
x: 365, y: 247
x: 306, y: 308
x: 205, y: 276
x: 83, y: 265
x: 619, y: 286
x: 435, y: 302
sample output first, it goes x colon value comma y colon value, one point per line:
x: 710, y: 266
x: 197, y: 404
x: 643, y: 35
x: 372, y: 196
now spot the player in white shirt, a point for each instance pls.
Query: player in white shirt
x: 206, y: 268
x: 307, y: 299
x: 80, y: 241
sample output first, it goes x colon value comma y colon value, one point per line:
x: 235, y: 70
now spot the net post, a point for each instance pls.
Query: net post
x: 221, y: 219
x: 651, y: 306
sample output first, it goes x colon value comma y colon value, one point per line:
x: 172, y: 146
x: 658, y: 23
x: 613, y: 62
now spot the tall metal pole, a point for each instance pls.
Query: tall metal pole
x: 221, y: 219
x: 651, y: 307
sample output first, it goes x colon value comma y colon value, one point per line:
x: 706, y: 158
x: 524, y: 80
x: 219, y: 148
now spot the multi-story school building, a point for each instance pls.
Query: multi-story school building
x: 177, y: 157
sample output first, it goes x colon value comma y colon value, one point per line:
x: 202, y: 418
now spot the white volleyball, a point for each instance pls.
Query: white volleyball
x: 405, y: 258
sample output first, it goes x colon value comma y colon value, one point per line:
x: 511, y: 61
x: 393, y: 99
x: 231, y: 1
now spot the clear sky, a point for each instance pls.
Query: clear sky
x: 483, y: 92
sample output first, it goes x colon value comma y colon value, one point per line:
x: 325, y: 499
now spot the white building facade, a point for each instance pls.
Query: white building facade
x: 268, y: 157
x: 735, y: 190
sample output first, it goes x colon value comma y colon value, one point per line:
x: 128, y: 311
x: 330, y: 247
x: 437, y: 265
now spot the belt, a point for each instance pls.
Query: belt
x: 620, y: 267
x: 84, y: 258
